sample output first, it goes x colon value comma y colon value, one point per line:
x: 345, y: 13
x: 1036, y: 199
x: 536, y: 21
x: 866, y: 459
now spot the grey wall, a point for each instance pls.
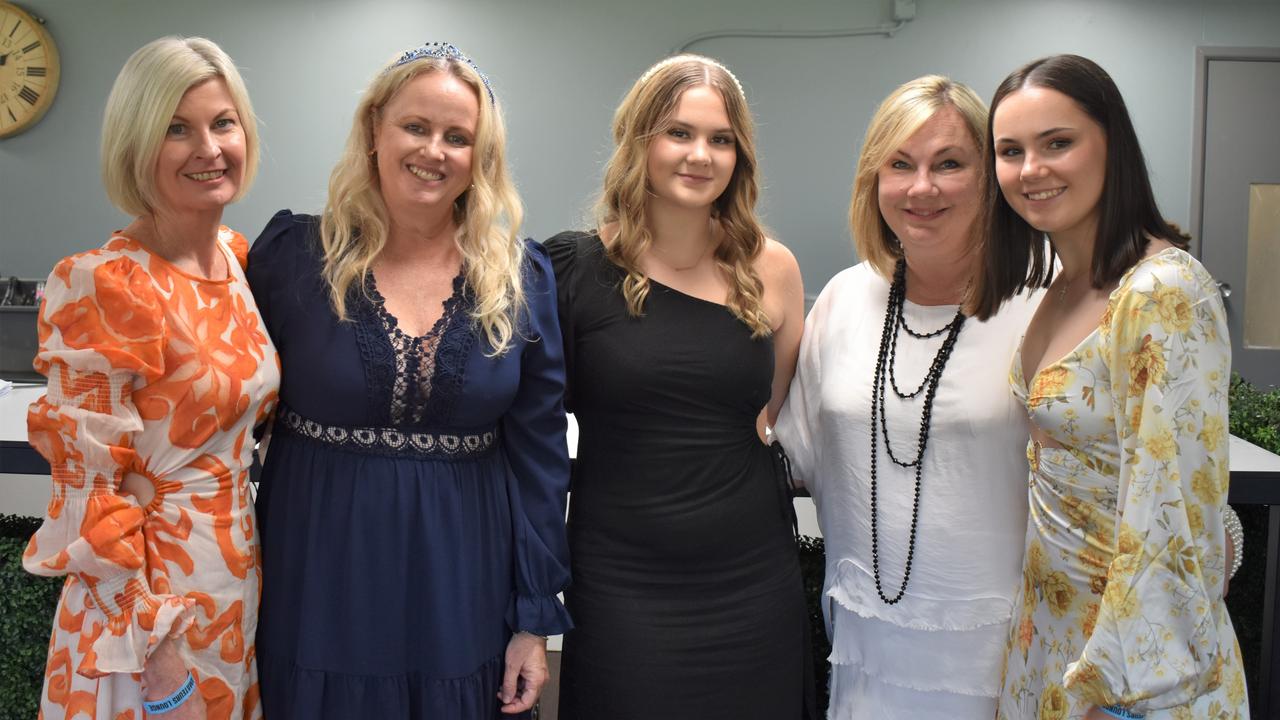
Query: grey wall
x: 560, y: 66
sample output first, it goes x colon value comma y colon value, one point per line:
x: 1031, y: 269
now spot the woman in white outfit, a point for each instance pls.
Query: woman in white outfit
x: 923, y: 557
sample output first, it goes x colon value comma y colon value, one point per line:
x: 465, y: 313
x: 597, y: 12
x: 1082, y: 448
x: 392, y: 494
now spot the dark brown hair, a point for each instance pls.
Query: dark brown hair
x: 1013, y: 253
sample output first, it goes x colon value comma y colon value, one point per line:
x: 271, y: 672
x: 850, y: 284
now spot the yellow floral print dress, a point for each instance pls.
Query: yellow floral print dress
x: 1121, y: 599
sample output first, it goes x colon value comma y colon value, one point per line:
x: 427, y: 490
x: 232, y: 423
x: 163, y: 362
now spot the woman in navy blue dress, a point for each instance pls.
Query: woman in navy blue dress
x: 413, y: 495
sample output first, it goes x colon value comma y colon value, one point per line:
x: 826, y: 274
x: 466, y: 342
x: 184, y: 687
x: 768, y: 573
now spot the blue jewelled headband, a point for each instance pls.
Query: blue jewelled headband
x: 444, y: 51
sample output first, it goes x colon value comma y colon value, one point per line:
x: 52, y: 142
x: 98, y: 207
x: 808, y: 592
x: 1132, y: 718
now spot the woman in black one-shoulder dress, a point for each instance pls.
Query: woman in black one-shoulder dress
x: 681, y: 323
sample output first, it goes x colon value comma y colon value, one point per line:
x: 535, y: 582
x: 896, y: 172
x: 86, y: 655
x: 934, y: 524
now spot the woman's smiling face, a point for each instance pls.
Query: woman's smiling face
x: 1051, y: 160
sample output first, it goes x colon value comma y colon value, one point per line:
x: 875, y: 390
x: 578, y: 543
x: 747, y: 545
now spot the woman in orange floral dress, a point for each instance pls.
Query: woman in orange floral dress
x: 158, y: 370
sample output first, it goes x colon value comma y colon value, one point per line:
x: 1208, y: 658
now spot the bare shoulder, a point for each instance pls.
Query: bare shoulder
x: 777, y: 264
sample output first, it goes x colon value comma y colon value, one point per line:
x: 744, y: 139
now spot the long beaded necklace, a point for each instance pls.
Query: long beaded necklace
x: 893, y: 322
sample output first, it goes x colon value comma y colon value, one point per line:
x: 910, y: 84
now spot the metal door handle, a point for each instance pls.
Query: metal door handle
x: 1224, y: 289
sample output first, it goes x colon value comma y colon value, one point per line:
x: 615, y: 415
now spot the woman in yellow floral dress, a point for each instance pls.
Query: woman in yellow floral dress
x: 1124, y: 373
x: 159, y: 368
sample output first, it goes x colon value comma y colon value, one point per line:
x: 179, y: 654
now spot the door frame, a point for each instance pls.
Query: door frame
x: 1204, y: 55
x: 1266, y: 697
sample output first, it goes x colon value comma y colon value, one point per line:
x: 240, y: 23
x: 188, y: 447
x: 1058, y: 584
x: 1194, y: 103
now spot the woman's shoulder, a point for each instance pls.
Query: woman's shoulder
x: 536, y: 257
x: 287, y: 231
x: 1171, y: 266
x: 571, y: 242
x: 287, y: 239
x: 120, y: 257
x: 776, y: 262
x: 236, y: 243
x: 1168, y: 288
x: 857, y: 279
x: 105, y: 300
x: 566, y: 249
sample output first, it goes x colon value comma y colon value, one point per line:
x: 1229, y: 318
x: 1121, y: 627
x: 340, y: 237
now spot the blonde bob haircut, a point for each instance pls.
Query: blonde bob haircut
x: 140, y: 109
x: 645, y: 113
x: 898, y: 118
x: 355, y: 224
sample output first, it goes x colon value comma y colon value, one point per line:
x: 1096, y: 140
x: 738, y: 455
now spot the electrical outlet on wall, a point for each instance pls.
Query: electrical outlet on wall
x: 904, y: 10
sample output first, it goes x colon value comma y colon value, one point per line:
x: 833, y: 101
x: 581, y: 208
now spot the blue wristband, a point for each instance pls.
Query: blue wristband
x: 179, y: 696
x: 1123, y: 713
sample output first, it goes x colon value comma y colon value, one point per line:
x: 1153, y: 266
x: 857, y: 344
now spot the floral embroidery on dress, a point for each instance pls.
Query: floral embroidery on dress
x: 1121, y: 599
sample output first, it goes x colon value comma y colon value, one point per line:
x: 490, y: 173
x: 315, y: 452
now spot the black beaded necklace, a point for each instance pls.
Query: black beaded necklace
x: 893, y: 321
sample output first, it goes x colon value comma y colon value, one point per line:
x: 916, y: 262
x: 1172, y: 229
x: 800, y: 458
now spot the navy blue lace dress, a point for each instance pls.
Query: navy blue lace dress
x: 412, y: 502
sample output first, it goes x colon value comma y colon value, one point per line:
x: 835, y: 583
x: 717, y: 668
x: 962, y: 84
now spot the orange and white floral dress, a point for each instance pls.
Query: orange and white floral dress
x: 1121, y: 599
x: 155, y: 372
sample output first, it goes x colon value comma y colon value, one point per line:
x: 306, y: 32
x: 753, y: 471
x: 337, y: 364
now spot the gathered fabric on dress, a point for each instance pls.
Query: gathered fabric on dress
x: 412, y: 499
x: 936, y: 653
x: 162, y: 374
x: 687, y: 594
x: 1121, y: 596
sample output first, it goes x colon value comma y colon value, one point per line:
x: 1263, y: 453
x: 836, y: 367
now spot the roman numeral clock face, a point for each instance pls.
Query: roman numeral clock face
x: 28, y: 70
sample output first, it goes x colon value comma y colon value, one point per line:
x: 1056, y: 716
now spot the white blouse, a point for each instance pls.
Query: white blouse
x: 947, y: 634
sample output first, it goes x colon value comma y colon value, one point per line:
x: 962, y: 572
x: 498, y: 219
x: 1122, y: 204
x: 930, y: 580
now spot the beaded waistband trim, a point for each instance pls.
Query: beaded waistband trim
x: 387, y: 440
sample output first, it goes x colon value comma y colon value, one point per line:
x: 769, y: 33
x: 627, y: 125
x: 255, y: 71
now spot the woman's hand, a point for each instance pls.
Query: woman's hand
x: 526, y: 672
x: 165, y: 672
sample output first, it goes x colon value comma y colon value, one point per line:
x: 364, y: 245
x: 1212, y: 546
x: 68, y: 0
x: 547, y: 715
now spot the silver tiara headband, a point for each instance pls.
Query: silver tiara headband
x: 687, y: 57
x: 444, y: 51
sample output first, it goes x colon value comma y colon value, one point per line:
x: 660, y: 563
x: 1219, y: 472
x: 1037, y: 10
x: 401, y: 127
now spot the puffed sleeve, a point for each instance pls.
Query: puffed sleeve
x: 272, y: 270
x: 798, y: 420
x: 1156, y: 642
x: 563, y: 250
x: 533, y: 432
x: 101, y: 332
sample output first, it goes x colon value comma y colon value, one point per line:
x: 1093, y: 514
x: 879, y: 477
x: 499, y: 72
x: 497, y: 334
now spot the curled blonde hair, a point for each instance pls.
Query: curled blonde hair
x: 140, y: 109
x: 646, y: 112
x: 897, y: 119
x: 355, y: 224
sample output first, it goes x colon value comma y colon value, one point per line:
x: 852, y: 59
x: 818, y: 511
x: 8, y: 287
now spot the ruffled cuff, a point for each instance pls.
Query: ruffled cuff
x: 540, y: 614
x: 125, y: 642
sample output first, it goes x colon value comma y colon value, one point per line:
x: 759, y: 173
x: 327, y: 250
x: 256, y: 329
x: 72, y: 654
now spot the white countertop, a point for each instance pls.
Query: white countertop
x: 13, y: 411
x: 1249, y: 458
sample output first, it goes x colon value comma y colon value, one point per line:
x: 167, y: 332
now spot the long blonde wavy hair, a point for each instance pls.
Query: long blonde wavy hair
x: 645, y: 113
x: 354, y: 227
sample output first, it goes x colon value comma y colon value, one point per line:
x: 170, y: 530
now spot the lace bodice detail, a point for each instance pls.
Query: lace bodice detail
x: 415, y: 379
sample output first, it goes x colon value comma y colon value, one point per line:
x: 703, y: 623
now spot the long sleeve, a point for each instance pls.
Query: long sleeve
x: 533, y: 432
x: 101, y: 336
x: 1156, y: 642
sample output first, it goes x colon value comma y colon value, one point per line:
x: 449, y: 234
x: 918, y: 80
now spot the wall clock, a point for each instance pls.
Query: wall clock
x: 29, y: 70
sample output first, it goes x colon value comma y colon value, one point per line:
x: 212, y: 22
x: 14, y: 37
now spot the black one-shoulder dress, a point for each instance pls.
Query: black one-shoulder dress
x: 686, y: 592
